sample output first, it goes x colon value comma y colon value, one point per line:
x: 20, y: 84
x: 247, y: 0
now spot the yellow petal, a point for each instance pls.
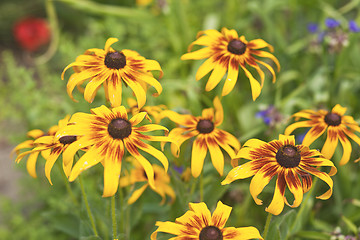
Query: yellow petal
x: 296, y: 125
x: 205, y: 68
x: 182, y: 119
x: 217, y: 157
x: 31, y: 164
x: 199, y: 54
x: 109, y: 42
x: 294, y: 185
x: 338, y: 109
x: 240, y: 172
x: 198, y: 154
x: 260, y: 180
x: 221, y: 215
x: 215, y: 77
x: 346, y: 150
x: 259, y: 43
x: 241, y: 233
x: 255, y: 85
x: 136, y: 194
x: 330, y: 143
x: 114, y: 92
x: 92, y: 157
x: 219, y: 111
x: 50, y: 163
x: 231, y: 79
x: 136, y: 119
x: 202, y: 211
x: 277, y: 204
x: 138, y: 91
x: 112, y: 168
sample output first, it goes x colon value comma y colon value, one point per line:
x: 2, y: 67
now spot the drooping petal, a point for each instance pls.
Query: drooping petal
x: 138, y: 91
x: 92, y: 157
x: 231, y: 79
x: 294, y: 185
x: 198, y: 154
x: 50, y: 163
x: 330, y: 143
x: 346, y: 149
x: 136, y: 194
x: 217, y: 157
x: 31, y: 164
x: 314, y: 133
x: 112, y: 168
x: 169, y: 227
x: 205, y: 68
x: 219, y: 111
x: 277, y: 204
x: 215, y: 77
x: 255, y: 85
x: 323, y: 176
x: 136, y: 119
x: 260, y: 180
x: 182, y: 119
x: 114, y: 91
x: 109, y: 42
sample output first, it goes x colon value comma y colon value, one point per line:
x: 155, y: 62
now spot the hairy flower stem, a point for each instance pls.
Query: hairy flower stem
x: 267, y: 225
x: 113, y: 217
x: 201, y: 187
x: 83, y: 193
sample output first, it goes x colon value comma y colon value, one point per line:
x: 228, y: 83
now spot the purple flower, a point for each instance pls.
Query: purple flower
x: 313, y: 27
x: 353, y: 27
x: 331, y: 23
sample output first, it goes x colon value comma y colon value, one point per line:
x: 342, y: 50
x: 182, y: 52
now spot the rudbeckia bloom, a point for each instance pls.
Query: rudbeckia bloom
x: 198, y: 223
x: 226, y: 51
x: 208, y: 137
x: 154, y: 111
x: 337, y: 126
x: 287, y: 161
x: 107, y: 133
x: 111, y: 68
x: 50, y: 148
x: 161, y: 180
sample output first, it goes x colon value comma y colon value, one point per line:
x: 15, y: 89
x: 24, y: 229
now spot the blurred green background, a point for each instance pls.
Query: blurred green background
x: 32, y: 94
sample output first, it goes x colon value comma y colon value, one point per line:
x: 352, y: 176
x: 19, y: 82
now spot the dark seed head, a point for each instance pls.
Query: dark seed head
x: 205, y: 126
x: 67, y: 139
x: 236, y: 46
x: 210, y: 233
x: 332, y: 119
x: 288, y: 156
x: 115, y: 60
x: 119, y: 128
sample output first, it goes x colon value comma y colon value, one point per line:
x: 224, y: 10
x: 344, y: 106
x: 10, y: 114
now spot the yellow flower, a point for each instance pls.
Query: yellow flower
x: 161, y: 180
x: 107, y: 133
x: 226, y: 51
x: 49, y: 147
x: 198, y: 223
x: 208, y: 137
x: 111, y: 68
x: 335, y: 123
x: 154, y: 111
x: 287, y: 161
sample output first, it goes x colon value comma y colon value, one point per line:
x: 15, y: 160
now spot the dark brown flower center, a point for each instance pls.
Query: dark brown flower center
x: 115, y: 60
x: 332, y: 119
x: 205, y: 126
x: 236, y: 46
x: 119, y: 128
x: 288, y: 156
x: 67, y: 139
x: 210, y: 233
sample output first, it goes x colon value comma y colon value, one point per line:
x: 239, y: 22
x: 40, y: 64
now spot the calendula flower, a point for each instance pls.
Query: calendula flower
x: 225, y: 52
x: 112, y: 68
x: 287, y: 161
x: 161, y: 181
x: 107, y: 133
x: 208, y: 137
x: 50, y: 148
x: 335, y: 123
x: 198, y: 223
x: 154, y: 111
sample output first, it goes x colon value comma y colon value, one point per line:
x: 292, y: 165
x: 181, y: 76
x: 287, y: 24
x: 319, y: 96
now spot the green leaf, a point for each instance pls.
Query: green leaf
x: 350, y: 225
x: 313, y: 235
x: 91, y: 238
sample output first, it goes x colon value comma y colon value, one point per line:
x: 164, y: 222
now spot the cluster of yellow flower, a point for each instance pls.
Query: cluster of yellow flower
x: 104, y: 135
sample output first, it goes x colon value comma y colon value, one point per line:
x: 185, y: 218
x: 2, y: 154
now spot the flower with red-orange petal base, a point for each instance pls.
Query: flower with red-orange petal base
x: 208, y: 137
x: 337, y: 125
x: 198, y: 223
x: 287, y: 161
x: 107, y: 133
x: 113, y: 68
x: 225, y: 52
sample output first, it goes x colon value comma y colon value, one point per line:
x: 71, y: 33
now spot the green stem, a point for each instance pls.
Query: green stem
x: 67, y: 185
x: 54, y: 26
x: 201, y: 187
x: 121, y: 208
x: 87, y: 206
x: 113, y: 216
x: 302, y: 209
x: 267, y: 225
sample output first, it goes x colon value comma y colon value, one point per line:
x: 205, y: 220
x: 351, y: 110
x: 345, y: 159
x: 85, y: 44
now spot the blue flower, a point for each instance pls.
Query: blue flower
x: 313, y: 27
x: 331, y: 23
x: 353, y: 27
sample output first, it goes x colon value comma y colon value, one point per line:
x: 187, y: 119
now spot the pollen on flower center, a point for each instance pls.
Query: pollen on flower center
x: 67, y: 139
x: 205, y: 126
x: 210, y: 233
x: 115, y: 60
x: 332, y: 119
x: 288, y: 156
x: 236, y: 46
x: 119, y: 128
